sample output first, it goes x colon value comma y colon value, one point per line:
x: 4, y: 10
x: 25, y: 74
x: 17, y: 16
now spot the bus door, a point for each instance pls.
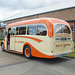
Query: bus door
x: 12, y: 38
x: 8, y: 39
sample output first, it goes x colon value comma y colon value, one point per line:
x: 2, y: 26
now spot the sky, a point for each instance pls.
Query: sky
x: 12, y: 7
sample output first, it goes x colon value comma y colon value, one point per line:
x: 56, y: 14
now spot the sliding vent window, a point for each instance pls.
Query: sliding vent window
x: 41, y: 30
x: 12, y: 31
x: 22, y: 30
x: 31, y: 30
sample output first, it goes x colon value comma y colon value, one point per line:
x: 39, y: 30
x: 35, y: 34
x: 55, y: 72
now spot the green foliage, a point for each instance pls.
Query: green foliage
x: 1, y: 40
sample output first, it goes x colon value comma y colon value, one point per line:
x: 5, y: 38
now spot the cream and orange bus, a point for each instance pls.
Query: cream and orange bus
x: 42, y: 37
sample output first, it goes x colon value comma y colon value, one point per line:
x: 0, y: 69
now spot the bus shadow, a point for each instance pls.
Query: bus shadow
x: 51, y: 61
x: 14, y: 53
x: 44, y: 60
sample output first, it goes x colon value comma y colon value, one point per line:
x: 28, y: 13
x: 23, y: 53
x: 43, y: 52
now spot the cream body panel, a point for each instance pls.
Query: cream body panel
x: 12, y: 43
x: 46, y: 46
x: 5, y: 43
x: 68, y: 48
x: 19, y: 46
x: 43, y: 47
x: 62, y: 49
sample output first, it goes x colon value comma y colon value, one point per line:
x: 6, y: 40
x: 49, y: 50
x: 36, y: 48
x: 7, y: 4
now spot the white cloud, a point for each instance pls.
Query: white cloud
x: 11, y: 7
x: 5, y: 12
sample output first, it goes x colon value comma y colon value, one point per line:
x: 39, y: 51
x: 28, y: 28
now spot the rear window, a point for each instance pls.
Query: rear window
x: 60, y: 28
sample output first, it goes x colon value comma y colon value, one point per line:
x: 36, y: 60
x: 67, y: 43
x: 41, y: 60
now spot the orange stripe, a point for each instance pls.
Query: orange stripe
x: 14, y: 51
x: 38, y: 40
x: 36, y: 53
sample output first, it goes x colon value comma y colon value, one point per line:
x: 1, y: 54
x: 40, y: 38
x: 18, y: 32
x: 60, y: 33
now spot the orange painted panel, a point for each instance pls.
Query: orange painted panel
x: 36, y: 53
x: 38, y: 40
x: 3, y: 44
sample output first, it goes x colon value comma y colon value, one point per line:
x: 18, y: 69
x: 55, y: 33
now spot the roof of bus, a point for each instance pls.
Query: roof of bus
x: 38, y: 20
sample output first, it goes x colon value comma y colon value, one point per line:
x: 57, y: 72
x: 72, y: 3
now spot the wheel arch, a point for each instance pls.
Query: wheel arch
x: 26, y: 44
x: 3, y: 42
x: 35, y: 52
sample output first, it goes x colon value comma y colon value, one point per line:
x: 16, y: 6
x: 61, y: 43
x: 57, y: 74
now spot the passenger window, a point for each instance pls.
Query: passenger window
x: 22, y: 30
x: 31, y: 30
x: 41, y: 30
x: 12, y: 31
x: 17, y: 31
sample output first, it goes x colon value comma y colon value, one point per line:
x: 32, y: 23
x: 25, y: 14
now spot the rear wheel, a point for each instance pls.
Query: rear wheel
x: 27, y: 52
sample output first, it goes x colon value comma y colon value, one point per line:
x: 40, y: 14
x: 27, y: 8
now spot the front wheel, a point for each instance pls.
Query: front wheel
x: 27, y: 52
x: 2, y: 47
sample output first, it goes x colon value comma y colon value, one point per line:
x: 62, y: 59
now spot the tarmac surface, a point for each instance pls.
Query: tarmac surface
x: 16, y: 64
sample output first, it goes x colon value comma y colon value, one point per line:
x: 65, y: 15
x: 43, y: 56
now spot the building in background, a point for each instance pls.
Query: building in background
x: 64, y: 11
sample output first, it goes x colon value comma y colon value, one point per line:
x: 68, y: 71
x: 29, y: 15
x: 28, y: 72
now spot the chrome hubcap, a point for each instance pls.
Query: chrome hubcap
x: 2, y: 46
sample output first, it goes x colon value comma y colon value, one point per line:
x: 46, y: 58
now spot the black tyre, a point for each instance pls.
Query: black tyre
x: 2, y: 47
x: 27, y: 52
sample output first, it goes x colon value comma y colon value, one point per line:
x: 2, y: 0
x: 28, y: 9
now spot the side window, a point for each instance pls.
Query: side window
x: 17, y: 31
x: 12, y: 31
x: 41, y: 30
x: 22, y: 30
x: 31, y: 30
x: 6, y: 32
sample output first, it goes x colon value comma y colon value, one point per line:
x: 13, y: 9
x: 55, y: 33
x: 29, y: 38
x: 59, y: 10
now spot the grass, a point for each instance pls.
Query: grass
x: 1, y: 40
x: 72, y: 55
